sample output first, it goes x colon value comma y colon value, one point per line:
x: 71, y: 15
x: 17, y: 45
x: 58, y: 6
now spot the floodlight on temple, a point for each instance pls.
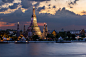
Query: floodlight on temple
x: 18, y: 22
x: 33, y: 6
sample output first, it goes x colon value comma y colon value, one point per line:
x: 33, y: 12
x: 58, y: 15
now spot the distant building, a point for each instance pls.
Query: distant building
x: 62, y: 30
x: 82, y: 32
x: 24, y: 29
x: 54, y: 33
x: 75, y: 31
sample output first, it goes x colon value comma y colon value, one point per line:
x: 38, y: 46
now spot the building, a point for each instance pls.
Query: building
x: 54, y: 33
x: 33, y: 29
x: 18, y: 31
x: 45, y: 31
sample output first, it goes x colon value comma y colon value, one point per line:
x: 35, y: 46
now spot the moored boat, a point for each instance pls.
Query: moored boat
x: 21, y: 42
x: 63, y: 41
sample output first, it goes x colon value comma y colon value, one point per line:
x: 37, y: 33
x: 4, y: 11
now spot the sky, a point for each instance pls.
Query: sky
x: 58, y: 14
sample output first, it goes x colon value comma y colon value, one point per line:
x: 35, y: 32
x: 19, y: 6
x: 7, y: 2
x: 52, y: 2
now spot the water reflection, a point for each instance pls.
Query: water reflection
x: 43, y: 50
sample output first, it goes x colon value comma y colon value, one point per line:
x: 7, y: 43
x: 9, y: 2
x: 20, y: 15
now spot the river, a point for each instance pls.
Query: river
x: 77, y: 49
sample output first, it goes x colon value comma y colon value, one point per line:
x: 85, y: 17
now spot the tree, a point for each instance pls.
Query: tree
x: 73, y: 36
x: 14, y: 38
x: 35, y: 37
x: 69, y: 35
x: 62, y: 34
x: 83, y: 35
x: 50, y: 36
x: 1, y: 38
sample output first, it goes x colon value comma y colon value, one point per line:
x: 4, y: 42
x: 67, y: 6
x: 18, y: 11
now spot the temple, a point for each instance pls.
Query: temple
x: 33, y: 29
x: 18, y: 31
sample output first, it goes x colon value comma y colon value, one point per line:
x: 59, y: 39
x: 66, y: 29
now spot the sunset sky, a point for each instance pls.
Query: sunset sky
x: 58, y: 14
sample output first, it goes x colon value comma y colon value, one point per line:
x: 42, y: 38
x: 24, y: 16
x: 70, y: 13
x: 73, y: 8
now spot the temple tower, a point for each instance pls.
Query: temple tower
x: 34, y: 26
x: 18, y: 31
x: 24, y: 28
x: 44, y: 32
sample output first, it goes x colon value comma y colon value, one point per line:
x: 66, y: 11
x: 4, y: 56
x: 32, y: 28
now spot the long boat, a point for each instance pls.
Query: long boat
x: 21, y: 42
x: 63, y: 41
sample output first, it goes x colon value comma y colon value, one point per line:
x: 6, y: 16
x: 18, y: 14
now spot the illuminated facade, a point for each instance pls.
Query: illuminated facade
x: 33, y: 28
x: 45, y: 31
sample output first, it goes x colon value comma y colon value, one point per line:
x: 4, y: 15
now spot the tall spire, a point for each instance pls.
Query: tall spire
x: 18, y: 26
x: 34, y: 15
x: 34, y: 19
x: 44, y: 32
x: 24, y: 28
x: 46, y: 28
x: 18, y: 32
x: 34, y: 26
x: 33, y: 10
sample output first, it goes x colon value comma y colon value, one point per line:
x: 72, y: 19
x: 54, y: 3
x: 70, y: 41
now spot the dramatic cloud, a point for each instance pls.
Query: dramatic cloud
x: 75, y: 6
x: 84, y: 12
x: 14, y: 6
x: 10, y: 6
x: 7, y: 1
x: 26, y: 4
x: 40, y: 8
x: 73, y: 3
x: 3, y: 9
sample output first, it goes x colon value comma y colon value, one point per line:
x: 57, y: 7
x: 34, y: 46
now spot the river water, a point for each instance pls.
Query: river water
x: 43, y: 50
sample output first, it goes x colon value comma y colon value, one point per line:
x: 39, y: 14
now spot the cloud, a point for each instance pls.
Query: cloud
x: 83, y: 12
x: 10, y: 6
x: 73, y: 3
x: 7, y: 1
x: 3, y: 9
x: 43, y: 6
x: 26, y: 3
x: 40, y: 8
x: 10, y: 10
x: 14, y: 6
x: 54, y: 6
x: 39, y: 0
x: 6, y: 24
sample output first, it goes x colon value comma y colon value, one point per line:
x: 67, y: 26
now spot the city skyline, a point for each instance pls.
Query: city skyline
x: 58, y: 14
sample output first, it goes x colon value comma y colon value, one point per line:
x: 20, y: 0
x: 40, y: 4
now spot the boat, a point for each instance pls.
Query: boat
x: 63, y: 41
x: 21, y: 42
x: 60, y: 40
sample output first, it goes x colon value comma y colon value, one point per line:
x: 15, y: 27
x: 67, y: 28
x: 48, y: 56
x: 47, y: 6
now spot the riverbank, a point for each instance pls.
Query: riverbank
x: 40, y: 41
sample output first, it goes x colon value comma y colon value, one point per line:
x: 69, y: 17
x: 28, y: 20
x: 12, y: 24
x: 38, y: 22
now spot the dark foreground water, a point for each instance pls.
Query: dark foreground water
x: 43, y: 50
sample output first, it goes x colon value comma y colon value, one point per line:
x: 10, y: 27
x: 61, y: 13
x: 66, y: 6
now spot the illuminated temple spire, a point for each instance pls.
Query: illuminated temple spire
x: 34, y: 26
